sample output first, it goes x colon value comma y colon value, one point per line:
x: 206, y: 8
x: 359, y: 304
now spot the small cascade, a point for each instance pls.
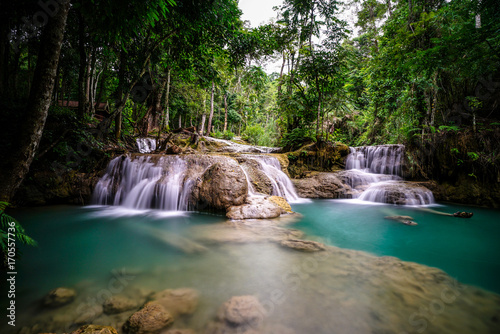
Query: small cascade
x: 230, y: 146
x: 374, y: 174
x: 281, y: 183
x: 143, y: 184
x: 146, y: 145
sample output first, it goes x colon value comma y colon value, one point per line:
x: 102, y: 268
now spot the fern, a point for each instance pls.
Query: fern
x: 5, y: 221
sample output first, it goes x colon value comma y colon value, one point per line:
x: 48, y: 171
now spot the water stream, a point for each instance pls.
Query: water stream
x: 374, y: 174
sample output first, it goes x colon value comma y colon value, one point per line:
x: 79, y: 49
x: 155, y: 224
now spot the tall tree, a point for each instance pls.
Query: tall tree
x: 16, y: 166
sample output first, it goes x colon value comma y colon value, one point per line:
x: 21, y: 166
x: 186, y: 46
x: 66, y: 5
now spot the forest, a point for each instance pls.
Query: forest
x: 422, y: 73
x: 158, y: 162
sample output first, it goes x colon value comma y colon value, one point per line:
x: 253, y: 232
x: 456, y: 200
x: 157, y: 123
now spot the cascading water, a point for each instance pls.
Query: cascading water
x: 281, y: 183
x: 146, y: 145
x: 141, y: 183
x: 167, y: 182
x: 374, y: 174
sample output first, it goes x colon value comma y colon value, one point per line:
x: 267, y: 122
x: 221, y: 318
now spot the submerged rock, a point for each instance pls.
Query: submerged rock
x: 240, y: 314
x: 118, y: 304
x: 151, y: 319
x: 255, y: 208
x: 59, y: 297
x: 303, y: 245
x: 94, y: 329
x: 407, y: 220
x: 223, y: 185
x: 178, y: 301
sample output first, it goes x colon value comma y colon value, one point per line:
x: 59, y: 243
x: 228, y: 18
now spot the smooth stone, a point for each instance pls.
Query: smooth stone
x: 59, y: 297
x: 150, y: 319
x: 177, y: 302
x: 254, y: 208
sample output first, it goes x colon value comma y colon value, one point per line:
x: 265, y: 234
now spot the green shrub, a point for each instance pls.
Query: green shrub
x: 228, y: 135
x: 296, y: 138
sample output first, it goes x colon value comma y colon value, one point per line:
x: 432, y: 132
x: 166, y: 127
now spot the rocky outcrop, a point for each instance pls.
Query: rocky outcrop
x: 59, y: 297
x: 177, y: 302
x: 118, y: 304
x: 223, y: 185
x: 319, y: 185
x: 282, y: 203
x: 255, y: 208
x: 151, y: 319
x: 240, y: 314
x: 94, y: 329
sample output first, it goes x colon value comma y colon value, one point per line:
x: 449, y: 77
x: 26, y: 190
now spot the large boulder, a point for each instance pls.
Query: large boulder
x: 118, y: 304
x: 59, y: 297
x: 222, y: 185
x: 94, y: 329
x: 240, y: 314
x: 320, y: 185
x: 177, y: 302
x: 255, y: 208
x: 150, y: 319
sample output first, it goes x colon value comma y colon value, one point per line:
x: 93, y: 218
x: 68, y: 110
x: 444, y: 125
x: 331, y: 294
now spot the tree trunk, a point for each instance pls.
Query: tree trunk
x: 211, y: 109
x: 82, y: 73
x: 166, y: 114
x: 180, y: 121
x: 121, y: 103
x: 15, y: 168
x: 225, y: 112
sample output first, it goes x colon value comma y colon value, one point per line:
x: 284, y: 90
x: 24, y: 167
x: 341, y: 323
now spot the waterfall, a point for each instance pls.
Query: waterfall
x: 374, y: 174
x: 141, y: 183
x: 166, y: 182
x: 281, y: 183
x: 146, y: 145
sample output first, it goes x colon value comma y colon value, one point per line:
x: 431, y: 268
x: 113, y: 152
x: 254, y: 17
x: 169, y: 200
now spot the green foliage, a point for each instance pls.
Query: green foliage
x: 296, y: 138
x: 228, y: 135
x: 9, y: 226
x: 473, y: 155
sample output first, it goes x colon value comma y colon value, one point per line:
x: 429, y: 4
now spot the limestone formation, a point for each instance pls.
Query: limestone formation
x: 255, y: 208
x: 223, y: 185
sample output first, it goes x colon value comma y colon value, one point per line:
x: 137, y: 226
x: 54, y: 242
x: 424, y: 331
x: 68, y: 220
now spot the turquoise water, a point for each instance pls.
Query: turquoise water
x: 81, y: 247
x: 467, y: 249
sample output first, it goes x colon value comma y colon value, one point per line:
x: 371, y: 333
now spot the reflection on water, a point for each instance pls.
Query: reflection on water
x: 333, y: 291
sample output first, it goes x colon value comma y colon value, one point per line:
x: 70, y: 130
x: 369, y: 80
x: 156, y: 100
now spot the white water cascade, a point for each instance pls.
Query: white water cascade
x: 140, y: 183
x: 374, y: 174
x: 281, y: 183
x: 146, y: 145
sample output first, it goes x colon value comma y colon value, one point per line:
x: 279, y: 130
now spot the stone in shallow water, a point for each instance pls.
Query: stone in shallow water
x: 255, y: 208
x: 303, y: 245
x: 151, y: 319
x: 59, y: 297
x: 240, y: 314
x: 118, y: 304
x: 178, y: 301
x: 94, y: 329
